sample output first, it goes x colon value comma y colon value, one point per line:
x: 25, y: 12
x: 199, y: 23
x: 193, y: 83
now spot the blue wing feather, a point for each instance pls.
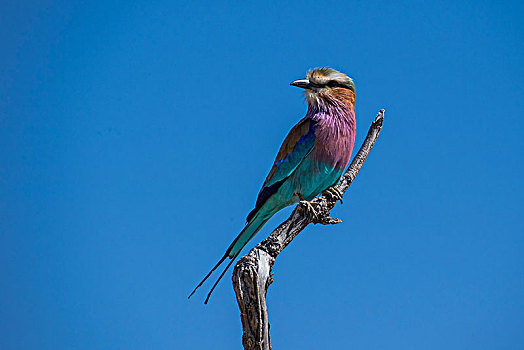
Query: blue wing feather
x: 295, y: 148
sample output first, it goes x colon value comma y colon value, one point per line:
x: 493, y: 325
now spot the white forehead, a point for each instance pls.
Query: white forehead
x: 325, y: 74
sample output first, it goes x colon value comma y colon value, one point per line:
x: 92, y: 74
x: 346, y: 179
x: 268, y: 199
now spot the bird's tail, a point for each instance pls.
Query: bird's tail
x: 249, y: 231
x: 251, y: 228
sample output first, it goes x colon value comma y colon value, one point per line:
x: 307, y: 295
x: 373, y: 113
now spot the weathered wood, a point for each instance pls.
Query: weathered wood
x: 252, y: 273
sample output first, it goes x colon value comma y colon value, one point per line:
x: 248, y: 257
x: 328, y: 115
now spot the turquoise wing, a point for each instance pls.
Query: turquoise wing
x: 295, y: 148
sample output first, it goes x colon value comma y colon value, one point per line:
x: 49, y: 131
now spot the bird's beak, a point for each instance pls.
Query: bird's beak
x: 302, y: 83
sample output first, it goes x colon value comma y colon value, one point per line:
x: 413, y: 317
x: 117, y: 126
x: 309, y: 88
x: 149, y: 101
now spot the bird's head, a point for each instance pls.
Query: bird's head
x: 326, y: 85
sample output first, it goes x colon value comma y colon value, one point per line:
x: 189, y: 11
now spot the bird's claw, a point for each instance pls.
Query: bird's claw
x: 308, y: 207
x: 334, y: 193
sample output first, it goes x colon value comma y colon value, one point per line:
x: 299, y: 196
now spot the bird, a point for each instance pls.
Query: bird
x: 312, y: 157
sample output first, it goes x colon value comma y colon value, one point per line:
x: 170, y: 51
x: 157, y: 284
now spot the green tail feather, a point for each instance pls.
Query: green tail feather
x: 249, y: 231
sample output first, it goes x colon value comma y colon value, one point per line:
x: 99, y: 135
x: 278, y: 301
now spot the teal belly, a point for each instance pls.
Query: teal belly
x: 312, y: 177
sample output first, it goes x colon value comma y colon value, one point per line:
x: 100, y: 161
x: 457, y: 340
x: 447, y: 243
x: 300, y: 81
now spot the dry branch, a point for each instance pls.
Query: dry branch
x: 252, y: 273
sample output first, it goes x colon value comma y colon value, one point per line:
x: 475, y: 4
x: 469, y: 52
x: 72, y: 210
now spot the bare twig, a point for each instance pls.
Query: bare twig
x: 252, y: 273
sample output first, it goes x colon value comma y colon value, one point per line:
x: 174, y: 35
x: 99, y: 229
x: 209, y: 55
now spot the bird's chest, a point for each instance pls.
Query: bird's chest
x: 333, y: 145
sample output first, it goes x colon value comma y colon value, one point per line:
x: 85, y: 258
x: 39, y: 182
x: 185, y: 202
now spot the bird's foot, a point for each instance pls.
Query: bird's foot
x: 334, y: 193
x: 308, y: 208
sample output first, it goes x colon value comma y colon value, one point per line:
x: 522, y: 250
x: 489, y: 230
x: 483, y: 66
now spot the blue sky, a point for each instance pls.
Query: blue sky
x: 135, y: 137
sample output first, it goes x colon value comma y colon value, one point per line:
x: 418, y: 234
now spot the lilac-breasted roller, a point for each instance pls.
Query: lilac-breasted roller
x: 312, y: 157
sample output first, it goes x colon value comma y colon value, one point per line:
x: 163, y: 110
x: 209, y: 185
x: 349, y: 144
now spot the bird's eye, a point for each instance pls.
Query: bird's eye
x: 332, y: 83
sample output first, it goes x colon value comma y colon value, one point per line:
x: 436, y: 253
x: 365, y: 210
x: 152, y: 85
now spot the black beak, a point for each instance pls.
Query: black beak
x: 302, y: 83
